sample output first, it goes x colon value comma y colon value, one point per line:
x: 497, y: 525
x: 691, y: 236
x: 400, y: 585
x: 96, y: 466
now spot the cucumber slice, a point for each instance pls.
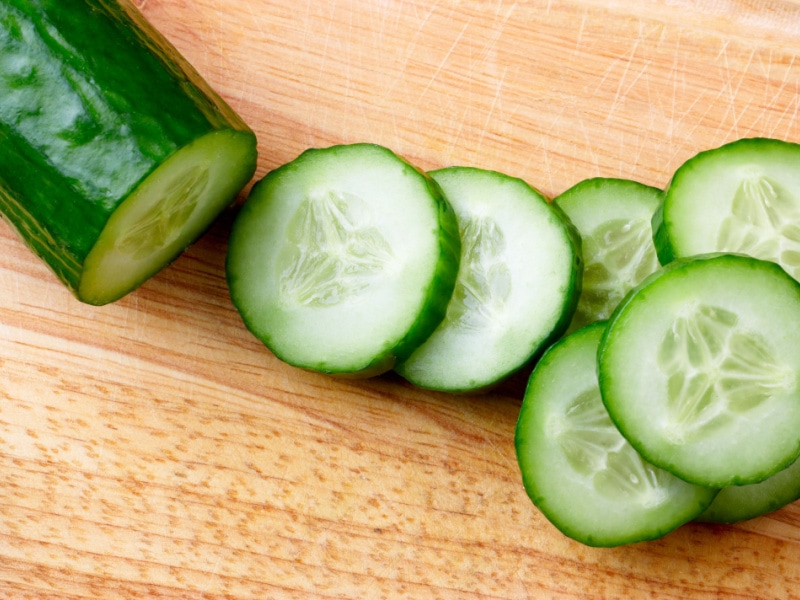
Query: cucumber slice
x: 516, y: 290
x: 343, y: 260
x: 613, y: 218
x: 114, y: 153
x: 699, y: 369
x: 743, y: 502
x: 743, y: 197
x: 576, y: 466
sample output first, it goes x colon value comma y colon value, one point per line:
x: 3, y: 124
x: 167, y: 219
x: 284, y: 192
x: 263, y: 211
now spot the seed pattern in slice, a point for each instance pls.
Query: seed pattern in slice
x: 613, y: 217
x: 619, y: 254
x: 481, y: 290
x: 699, y: 369
x: 333, y: 251
x: 763, y: 223
x: 594, y: 448
x: 716, y: 369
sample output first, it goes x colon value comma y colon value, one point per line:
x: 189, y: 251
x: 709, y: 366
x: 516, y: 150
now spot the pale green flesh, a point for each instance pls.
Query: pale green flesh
x: 576, y: 466
x: 516, y: 285
x: 334, y: 258
x: 741, y: 198
x: 165, y: 213
x: 699, y: 369
x: 613, y: 218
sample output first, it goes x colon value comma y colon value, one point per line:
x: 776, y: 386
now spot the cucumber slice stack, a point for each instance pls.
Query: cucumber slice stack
x: 576, y: 466
x: 698, y: 366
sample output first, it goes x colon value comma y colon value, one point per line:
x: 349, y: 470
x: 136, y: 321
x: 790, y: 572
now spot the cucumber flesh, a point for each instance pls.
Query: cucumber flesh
x: 166, y: 213
x: 343, y: 260
x: 516, y: 289
x: 743, y: 502
x: 613, y: 218
x: 743, y: 197
x: 699, y: 369
x: 576, y: 466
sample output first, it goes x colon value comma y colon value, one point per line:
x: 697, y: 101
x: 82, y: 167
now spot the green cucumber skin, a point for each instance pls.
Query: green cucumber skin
x: 441, y: 289
x: 94, y: 99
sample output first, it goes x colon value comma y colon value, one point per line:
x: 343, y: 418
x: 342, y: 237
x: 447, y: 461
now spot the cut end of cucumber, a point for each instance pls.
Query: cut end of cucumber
x: 166, y: 212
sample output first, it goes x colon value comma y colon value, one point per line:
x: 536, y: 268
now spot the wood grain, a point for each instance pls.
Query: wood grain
x: 154, y: 449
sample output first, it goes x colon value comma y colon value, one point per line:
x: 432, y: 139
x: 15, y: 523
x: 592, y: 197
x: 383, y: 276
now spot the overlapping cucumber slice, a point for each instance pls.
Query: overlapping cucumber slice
x: 699, y: 369
x: 343, y: 260
x: 579, y: 470
x: 742, y: 502
x: 743, y: 197
x: 613, y: 217
x: 516, y: 290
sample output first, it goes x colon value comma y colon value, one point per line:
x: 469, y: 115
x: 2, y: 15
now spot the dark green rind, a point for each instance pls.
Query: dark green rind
x: 663, y: 247
x: 93, y: 100
x: 444, y: 280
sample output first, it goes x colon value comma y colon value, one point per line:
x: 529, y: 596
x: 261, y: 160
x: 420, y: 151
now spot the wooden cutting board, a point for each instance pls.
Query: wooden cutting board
x: 153, y: 448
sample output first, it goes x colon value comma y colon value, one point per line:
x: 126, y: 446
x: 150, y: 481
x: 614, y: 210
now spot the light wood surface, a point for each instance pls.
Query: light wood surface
x: 154, y: 449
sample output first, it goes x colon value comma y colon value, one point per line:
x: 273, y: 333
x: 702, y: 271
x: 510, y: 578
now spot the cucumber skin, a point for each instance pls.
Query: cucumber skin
x: 140, y: 102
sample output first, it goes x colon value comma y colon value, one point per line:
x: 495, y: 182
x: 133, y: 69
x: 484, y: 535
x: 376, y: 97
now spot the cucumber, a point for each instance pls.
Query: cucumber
x: 699, y: 369
x: 114, y: 154
x: 517, y: 286
x: 576, y: 466
x: 742, y: 502
x: 343, y: 260
x: 742, y: 197
x: 613, y: 218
